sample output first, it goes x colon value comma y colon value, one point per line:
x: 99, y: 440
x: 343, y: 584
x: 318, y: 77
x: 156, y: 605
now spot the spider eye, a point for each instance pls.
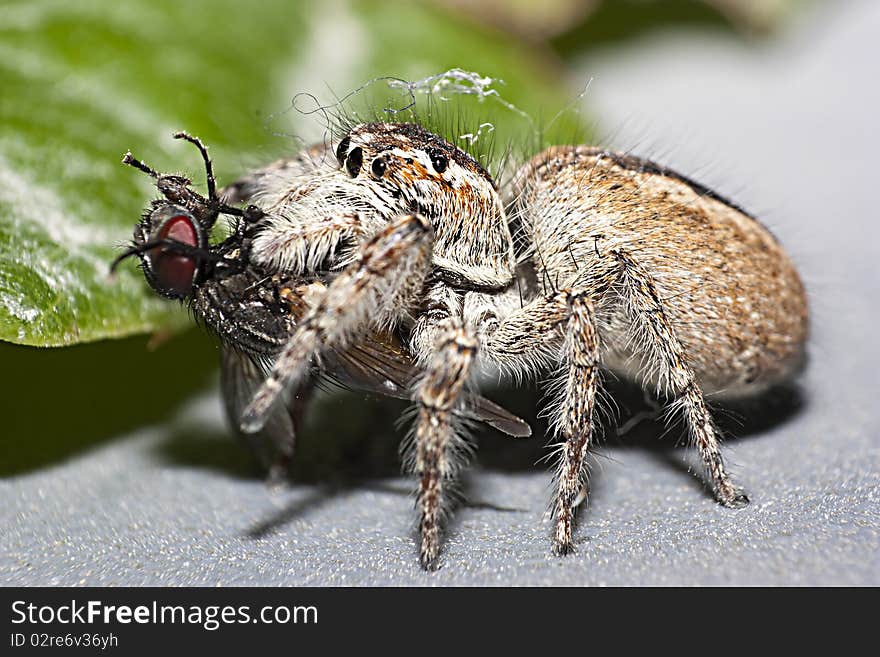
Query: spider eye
x: 354, y: 161
x: 438, y: 160
x: 342, y: 149
x: 378, y: 167
x: 173, y: 272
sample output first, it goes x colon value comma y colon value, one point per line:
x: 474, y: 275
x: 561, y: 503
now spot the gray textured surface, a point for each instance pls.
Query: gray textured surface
x: 789, y: 129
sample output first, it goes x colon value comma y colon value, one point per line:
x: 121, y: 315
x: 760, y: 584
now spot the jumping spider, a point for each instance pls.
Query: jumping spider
x: 399, y: 266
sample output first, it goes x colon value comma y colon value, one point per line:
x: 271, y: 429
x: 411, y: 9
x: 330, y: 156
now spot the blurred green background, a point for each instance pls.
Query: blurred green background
x: 82, y: 82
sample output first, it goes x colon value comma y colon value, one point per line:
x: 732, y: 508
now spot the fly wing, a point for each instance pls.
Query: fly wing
x: 499, y: 418
x: 240, y: 377
x: 376, y: 364
x: 379, y: 364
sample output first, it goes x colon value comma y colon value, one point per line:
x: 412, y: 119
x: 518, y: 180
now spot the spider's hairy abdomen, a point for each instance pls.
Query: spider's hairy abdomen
x: 731, y: 293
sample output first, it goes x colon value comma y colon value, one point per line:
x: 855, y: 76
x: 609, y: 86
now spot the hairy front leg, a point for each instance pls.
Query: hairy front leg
x: 374, y: 290
x: 438, y: 437
x: 670, y: 359
x: 299, y: 247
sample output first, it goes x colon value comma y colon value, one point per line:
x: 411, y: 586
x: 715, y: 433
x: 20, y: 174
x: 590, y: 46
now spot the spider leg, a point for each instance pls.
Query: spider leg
x: 527, y: 340
x: 671, y: 362
x: 375, y: 289
x: 574, y: 421
x: 530, y: 337
x: 298, y: 246
x: 438, y: 438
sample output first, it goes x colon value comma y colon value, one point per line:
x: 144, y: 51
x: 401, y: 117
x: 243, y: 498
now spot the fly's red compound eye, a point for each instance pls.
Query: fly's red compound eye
x: 174, y: 270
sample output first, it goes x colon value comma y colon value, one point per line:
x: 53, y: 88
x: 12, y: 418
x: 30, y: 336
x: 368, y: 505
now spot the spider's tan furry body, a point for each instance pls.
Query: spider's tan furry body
x: 619, y: 264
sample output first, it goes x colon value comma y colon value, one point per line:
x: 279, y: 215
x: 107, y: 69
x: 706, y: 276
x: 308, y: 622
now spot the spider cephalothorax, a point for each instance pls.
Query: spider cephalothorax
x: 404, y: 245
x: 385, y: 170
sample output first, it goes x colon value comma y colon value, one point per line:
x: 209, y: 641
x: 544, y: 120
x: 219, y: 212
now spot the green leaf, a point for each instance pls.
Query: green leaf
x: 82, y: 82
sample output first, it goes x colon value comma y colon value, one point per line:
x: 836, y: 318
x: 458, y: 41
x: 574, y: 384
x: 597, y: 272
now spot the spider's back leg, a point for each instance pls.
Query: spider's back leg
x: 669, y: 361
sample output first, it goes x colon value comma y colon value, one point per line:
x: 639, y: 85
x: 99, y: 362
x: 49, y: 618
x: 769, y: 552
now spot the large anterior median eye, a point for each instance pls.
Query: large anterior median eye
x: 379, y: 166
x: 174, y: 269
